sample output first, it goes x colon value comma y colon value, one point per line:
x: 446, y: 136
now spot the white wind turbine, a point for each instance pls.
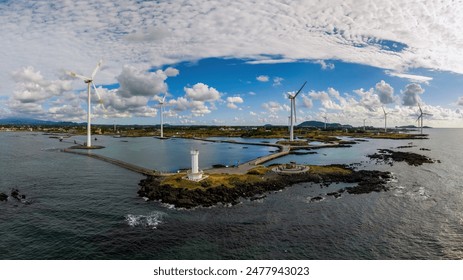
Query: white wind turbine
x: 292, y: 98
x: 385, y: 119
x: 421, y: 117
x: 161, y: 113
x: 89, y: 82
x: 326, y: 120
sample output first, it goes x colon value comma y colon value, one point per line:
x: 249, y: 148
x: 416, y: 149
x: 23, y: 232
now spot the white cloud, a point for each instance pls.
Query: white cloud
x: 277, y: 81
x: 136, y: 82
x: 411, y: 95
x: 202, y: 92
x: 262, y: 78
x: 324, y: 65
x: 460, y: 101
x: 410, y: 77
x: 272, y: 106
x: 385, y: 92
x: 231, y: 102
x: 171, y: 72
x: 306, y: 101
x: 50, y: 37
x: 32, y: 87
x: 235, y: 99
x: 149, y: 34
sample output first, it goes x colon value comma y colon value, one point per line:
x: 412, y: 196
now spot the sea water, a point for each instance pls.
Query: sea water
x: 82, y: 208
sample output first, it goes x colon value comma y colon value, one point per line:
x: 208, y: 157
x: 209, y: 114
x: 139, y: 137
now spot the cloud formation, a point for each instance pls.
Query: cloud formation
x: 202, y: 92
x: 418, y: 34
x: 262, y: 78
x: 385, y: 92
x: 231, y: 102
x: 411, y: 95
x: 135, y: 82
x: 32, y: 87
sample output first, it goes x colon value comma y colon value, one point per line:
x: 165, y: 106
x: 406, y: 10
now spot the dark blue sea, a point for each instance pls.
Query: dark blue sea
x: 82, y: 208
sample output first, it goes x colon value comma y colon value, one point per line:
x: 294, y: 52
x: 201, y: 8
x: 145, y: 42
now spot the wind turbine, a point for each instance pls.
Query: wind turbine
x: 364, y: 127
x: 89, y: 82
x: 421, y: 116
x: 161, y: 113
x: 326, y: 119
x: 292, y: 98
x: 385, y: 119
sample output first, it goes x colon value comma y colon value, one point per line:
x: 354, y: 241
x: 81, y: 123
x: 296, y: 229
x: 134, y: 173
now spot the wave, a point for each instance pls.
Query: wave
x: 152, y: 220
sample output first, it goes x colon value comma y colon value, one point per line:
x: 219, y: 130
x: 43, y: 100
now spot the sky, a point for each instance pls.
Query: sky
x: 233, y: 62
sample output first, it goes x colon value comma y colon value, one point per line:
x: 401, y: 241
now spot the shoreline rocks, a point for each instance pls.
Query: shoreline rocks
x: 388, y: 156
x: 151, y: 187
x: 3, y: 197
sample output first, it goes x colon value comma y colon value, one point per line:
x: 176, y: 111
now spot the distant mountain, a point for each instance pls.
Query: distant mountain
x: 29, y: 121
x: 322, y: 124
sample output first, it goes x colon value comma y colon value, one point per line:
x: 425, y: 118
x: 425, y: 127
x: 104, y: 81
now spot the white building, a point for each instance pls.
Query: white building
x: 195, y: 174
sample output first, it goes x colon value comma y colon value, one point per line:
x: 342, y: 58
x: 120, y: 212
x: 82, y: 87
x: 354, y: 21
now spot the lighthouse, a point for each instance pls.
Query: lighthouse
x: 195, y: 174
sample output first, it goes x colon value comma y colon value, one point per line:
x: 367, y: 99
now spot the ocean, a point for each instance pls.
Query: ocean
x: 82, y: 208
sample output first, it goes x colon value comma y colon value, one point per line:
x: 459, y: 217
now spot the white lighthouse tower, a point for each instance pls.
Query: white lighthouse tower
x: 195, y: 174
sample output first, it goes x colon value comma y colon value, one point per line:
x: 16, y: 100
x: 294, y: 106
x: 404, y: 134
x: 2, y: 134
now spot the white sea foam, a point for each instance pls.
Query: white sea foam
x: 152, y: 220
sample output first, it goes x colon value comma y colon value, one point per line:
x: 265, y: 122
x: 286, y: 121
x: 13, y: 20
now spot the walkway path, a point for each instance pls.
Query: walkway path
x: 240, y: 169
x: 117, y: 162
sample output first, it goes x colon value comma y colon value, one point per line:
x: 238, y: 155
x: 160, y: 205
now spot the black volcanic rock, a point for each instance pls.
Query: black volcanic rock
x: 367, y: 181
x: 3, y: 197
x: 388, y: 156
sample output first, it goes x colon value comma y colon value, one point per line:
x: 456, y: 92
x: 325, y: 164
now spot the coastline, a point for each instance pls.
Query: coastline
x: 228, y: 189
x: 250, y: 180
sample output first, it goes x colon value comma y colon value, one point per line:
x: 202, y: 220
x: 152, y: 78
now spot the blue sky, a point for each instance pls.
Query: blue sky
x: 233, y: 62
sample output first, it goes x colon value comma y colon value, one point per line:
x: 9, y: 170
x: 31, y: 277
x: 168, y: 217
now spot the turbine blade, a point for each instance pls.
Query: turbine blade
x: 97, y: 68
x: 383, y: 110
x: 300, y: 89
x: 99, y: 97
x: 164, y: 98
x: 74, y: 75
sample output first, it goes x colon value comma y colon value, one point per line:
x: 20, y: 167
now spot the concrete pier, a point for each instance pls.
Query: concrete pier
x: 123, y: 164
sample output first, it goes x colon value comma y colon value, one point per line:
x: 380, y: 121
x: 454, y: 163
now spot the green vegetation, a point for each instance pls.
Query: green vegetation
x: 254, y: 175
x: 329, y: 170
x: 213, y: 181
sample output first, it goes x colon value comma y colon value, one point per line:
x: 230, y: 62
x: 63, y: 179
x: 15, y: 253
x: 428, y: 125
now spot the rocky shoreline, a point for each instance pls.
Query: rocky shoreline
x: 388, y: 156
x: 182, y: 197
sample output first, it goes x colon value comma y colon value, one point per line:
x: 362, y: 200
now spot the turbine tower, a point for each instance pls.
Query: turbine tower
x: 161, y: 113
x: 421, y: 117
x: 364, y: 127
x: 326, y: 119
x: 89, y: 82
x: 292, y: 98
x: 385, y: 120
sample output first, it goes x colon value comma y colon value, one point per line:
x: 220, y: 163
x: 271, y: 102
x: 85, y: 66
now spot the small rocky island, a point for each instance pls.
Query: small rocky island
x: 229, y: 188
x: 388, y: 156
